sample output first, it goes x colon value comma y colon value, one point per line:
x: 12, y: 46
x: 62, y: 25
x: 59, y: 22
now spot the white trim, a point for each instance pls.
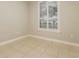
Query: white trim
x: 12, y: 40
x: 47, y: 29
x: 55, y: 40
x: 40, y: 37
x: 58, y: 13
x: 38, y: 11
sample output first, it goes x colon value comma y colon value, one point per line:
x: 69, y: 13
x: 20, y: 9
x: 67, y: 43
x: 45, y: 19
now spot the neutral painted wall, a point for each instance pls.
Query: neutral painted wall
x: 13, y: 19
x: 20, y: 18
x: 69, y: 22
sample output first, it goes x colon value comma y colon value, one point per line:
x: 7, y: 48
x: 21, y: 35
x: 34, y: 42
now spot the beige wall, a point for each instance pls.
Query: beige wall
x: 20, y: 18
x: 69, y: 22
x: 13, y: 19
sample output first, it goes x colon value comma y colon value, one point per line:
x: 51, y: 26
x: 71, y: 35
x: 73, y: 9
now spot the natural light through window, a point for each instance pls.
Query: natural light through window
x: 48, y: 15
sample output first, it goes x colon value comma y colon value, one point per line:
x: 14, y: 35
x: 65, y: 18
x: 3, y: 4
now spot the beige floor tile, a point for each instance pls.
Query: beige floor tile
x: 64, y: 53
x: 32, y: 47
x: 6, y: 51
x: 67, y: 51
x: 74, y: 52
x: 38, y: 52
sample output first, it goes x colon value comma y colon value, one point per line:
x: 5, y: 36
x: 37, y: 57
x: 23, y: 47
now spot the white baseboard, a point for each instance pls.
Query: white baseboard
x: 12, y: 40
x: 55, y: 40
x: 40, y: 37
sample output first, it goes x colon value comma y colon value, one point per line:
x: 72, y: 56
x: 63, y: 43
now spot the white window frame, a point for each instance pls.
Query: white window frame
x: 44, y: 29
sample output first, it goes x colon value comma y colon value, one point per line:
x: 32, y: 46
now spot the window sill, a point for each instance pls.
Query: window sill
x: 48, y: 30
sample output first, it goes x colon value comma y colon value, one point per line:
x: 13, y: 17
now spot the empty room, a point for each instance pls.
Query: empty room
x: 39, y: 29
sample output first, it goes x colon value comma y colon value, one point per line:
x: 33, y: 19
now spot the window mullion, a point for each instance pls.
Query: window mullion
x: 47, y: 15
x: 51, y: 18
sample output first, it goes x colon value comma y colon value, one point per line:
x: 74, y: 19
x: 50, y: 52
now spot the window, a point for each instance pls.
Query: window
x: 48, y: 16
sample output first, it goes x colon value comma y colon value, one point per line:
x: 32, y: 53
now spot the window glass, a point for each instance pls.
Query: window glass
x: 50, y: 24
x: 55, y: 23
x: 52, y: 9
x: 43, y: 10
x: 48, y: 15
x: 43, y: 23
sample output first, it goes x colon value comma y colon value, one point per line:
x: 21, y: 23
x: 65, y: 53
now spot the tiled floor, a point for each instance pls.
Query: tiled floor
x: 32, y: 47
